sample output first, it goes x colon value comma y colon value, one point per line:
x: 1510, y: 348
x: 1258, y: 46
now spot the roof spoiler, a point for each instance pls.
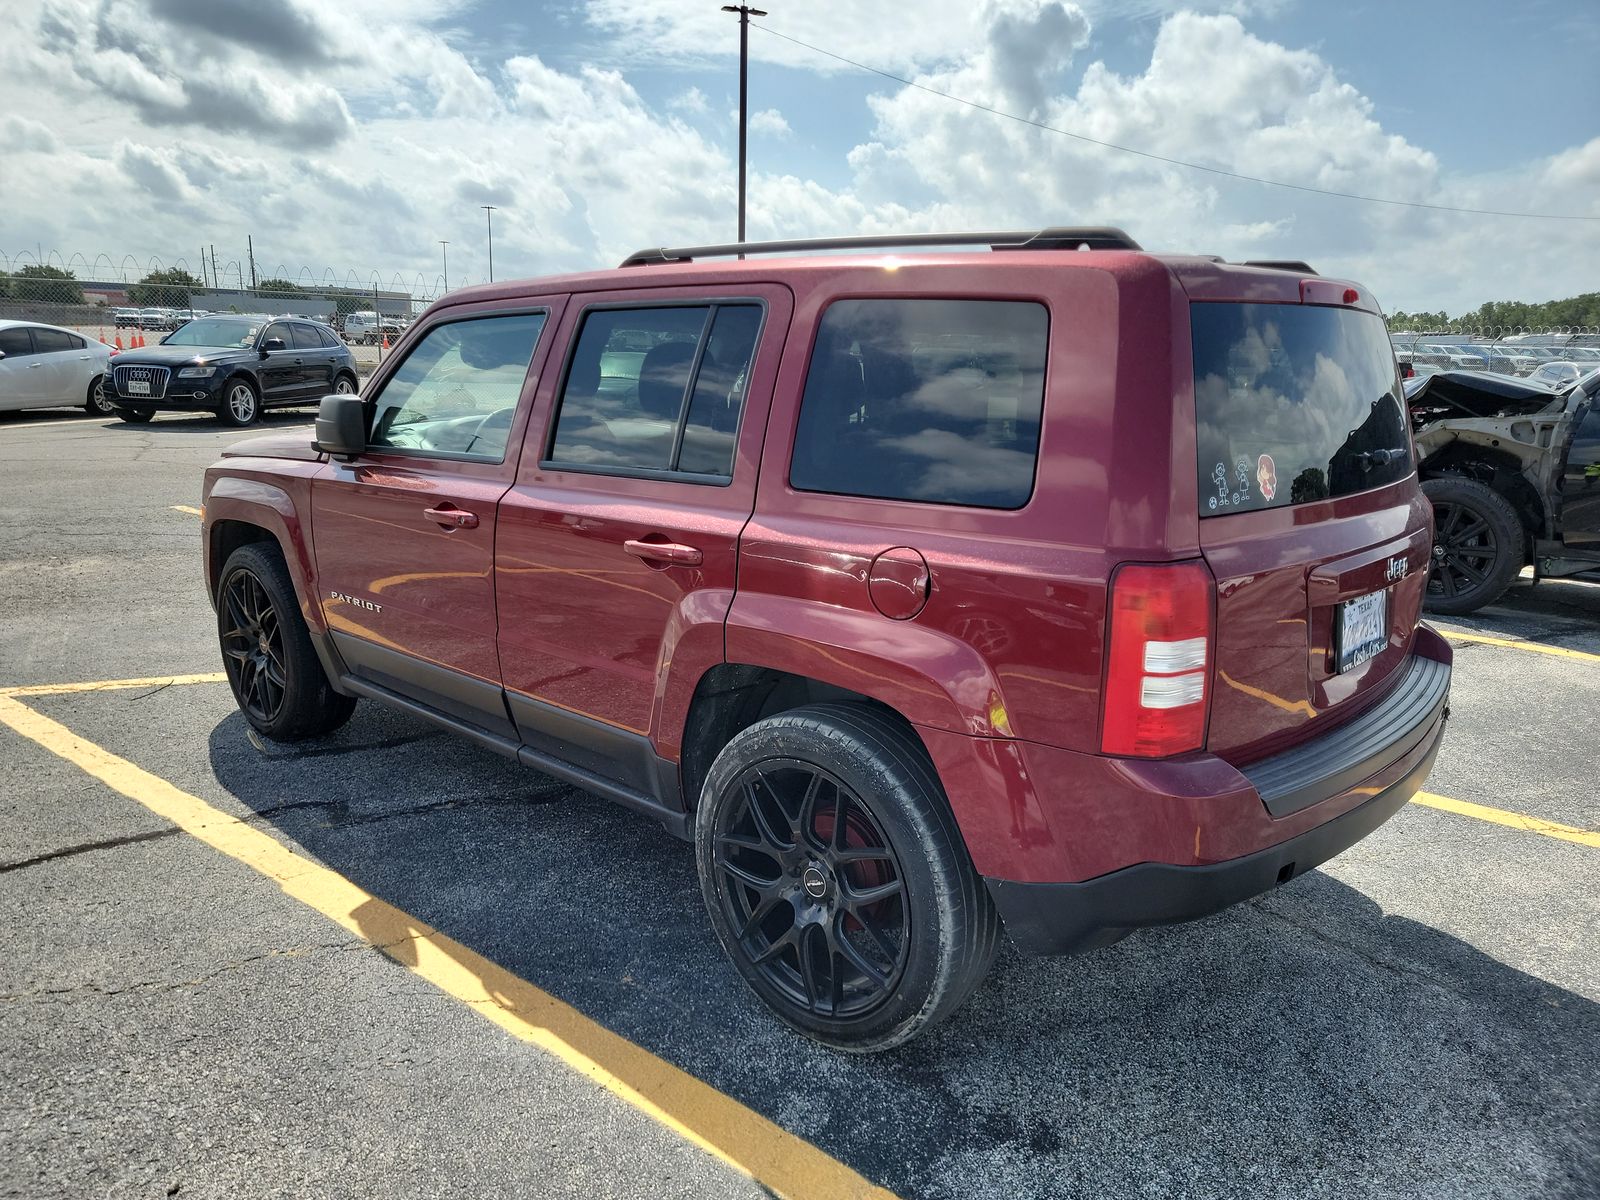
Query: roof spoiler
x: 1066, y: 237
x: 1281, y: 264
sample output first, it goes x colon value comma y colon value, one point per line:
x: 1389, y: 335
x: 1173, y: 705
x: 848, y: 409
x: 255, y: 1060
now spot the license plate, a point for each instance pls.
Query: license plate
x: 138, y: 387
x: 1362, y: 629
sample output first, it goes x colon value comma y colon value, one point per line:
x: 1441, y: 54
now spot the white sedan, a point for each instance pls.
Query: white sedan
x: 45, y: 366
x: 1562, y: 374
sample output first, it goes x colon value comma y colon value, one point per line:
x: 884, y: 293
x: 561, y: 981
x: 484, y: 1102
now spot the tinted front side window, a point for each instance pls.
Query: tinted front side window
x: 932, y: 400
x: 1293, y: 403
x: 657, y: 389
x: 457, y: 391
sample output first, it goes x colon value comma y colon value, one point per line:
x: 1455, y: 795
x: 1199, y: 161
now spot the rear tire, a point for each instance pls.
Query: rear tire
x: 836, y: 878
x: 1478, y: 548
x: 276, y: 676
x: 95, y: 402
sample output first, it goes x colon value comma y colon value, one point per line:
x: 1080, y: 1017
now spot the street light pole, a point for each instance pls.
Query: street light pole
x: 745, y: 13
x: 488, y: 212
x: 445, y: 249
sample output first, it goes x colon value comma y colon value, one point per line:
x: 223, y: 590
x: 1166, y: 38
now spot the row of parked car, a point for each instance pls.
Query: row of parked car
x: 1554, y: 365
x: 358, y: 328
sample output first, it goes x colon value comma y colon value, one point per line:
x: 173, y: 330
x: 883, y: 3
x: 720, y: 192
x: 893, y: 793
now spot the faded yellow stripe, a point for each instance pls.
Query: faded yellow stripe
x: 1535, y: 647
x: 184, y: 508
x: 1514, y: 820
x: 772, y: 1156
x: 111, y: 685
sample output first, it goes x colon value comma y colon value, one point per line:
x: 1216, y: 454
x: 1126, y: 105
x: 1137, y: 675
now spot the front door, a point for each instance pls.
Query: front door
x: 405, y: 534
x: 622, y: 529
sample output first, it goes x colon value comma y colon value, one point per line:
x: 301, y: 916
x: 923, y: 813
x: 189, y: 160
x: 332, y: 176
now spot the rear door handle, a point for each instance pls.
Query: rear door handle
x: 667, y: 552
x: 452, y: 517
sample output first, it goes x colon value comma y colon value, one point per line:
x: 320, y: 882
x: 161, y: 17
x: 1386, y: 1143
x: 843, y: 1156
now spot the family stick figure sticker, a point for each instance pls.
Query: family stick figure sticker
x: 1266, y: 476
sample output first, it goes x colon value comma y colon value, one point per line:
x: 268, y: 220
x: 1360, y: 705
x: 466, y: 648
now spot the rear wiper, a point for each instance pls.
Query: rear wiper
x: 1379, y: 458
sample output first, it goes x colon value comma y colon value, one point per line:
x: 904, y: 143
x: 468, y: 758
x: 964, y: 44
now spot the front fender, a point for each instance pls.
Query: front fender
x: 267, y: 506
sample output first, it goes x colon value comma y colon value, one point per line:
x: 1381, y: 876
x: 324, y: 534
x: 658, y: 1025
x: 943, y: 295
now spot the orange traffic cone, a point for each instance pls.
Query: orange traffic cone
x: 138, y: 341
x: 386, y: 341
x: 119, y: 343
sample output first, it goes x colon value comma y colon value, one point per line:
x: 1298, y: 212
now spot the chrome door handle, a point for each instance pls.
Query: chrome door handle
x: 452, y: 517
x: 667, y: 552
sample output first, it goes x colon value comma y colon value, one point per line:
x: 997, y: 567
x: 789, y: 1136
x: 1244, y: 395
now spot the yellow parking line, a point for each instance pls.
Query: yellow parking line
x: 111, y: 685
x: 1536, y: 647
x: 184, y: 508
x: 770, y: 1155
x: 1515, y: 820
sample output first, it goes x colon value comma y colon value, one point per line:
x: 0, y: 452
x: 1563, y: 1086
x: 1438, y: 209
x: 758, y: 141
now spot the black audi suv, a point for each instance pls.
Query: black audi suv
x: 234, y: 366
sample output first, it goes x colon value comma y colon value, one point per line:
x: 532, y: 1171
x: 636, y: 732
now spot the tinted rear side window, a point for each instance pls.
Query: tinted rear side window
x: 1293, y: 403
x: 930, y: 400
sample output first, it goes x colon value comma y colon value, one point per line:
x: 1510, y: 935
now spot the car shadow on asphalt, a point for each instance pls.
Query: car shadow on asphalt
x: 208, y: 422
x: 1306, y: 1042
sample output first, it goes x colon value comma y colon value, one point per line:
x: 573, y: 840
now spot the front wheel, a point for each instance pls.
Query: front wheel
x: 240, y: 404
x: 276, y: 677
x: 837, y: 880
x: 1478, y: 545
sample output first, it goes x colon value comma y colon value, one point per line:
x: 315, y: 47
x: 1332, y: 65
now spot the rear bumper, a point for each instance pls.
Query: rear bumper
x: 1070, y: 918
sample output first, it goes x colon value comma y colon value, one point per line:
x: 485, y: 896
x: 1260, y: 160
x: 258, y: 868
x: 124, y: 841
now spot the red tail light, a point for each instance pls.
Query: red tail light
x: 1158, y: 670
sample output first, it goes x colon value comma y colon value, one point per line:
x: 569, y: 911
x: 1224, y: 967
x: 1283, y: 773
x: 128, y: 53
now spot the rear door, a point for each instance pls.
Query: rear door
x: 622, y: 529
x: 404, y: 535
x: 1310, y: 514
x: 1580, y: 485
x: 279, y: 370
x: 316, y: 361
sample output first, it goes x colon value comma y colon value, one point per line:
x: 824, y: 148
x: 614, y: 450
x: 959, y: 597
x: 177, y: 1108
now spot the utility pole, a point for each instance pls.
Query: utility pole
x: 216, y: 280
x: 252, y: 250
x: 445, y: 248
x: 488, y: 212
x: 203, y: 266
x: 745, y: 13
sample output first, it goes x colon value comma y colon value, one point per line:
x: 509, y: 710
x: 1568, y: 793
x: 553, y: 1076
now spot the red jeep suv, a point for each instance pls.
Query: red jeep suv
x: 1058, y: 585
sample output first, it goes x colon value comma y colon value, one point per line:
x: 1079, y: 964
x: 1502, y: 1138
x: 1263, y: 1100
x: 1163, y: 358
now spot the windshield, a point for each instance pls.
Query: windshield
x: 1293, y: 403
x: 211, y: 331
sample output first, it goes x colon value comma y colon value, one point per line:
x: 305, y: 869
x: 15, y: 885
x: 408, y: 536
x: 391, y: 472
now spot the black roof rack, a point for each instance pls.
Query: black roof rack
x: 1283, y: 264
x: 1094, y: 237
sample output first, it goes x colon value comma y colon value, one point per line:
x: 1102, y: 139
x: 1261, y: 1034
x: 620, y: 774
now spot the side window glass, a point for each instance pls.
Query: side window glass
x: 305, y: 338
x: 51, y: 341
x: 15, y: 343
x: 457, y: 391
x: 278, y: 329
x: 657, y: 389
x: 711, y: 427
x: 327, y: 337
x: 930, y: 400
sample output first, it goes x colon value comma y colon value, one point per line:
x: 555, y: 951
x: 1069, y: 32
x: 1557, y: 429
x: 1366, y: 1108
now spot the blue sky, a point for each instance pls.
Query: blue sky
x: 350, y: 138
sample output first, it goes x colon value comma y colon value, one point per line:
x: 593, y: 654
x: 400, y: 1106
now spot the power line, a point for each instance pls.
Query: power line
x: 1176, y: 162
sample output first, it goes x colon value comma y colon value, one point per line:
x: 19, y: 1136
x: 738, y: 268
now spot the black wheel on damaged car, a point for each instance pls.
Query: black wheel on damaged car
x: 97, y: 403
x: 1478, y: 545
x: 836, y: 878
x: 240, y: 404
x: 276, y: 677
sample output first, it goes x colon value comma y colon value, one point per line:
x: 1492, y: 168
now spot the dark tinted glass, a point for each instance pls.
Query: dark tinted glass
x: 327, y: 337
x: 935, y: 400
x: 279, y: 329
x: 712, y: 425
x: 51, y: 341
x: 1293, y: 403
x: 625, y: 389
x: 305, y: 338
x: 14, y: 343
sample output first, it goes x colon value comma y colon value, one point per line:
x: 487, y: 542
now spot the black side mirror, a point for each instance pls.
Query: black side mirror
x: 273, y: 344
x: 341, y: 426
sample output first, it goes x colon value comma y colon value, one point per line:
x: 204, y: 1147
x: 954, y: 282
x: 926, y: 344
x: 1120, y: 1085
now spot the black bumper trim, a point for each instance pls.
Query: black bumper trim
x: 1071, y: 918
x: 1338, y: 761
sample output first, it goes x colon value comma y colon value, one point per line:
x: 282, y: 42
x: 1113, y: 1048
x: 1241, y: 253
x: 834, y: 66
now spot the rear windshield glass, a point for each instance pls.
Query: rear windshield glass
x: 1293, y: 403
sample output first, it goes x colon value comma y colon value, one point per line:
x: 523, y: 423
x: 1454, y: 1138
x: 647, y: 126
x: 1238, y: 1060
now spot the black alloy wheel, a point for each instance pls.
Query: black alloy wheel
x: 252, y: 647
x: 813, y: 891
x: 1478, y: 545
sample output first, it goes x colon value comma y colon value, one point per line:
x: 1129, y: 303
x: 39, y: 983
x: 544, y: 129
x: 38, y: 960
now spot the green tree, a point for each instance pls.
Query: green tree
x: 164, y: 289
x: 277, y: 285
x: 46, y: 284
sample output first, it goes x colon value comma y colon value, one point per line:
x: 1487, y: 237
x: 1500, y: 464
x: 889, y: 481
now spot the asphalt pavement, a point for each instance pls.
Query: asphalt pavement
x: 1419, y: 1018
